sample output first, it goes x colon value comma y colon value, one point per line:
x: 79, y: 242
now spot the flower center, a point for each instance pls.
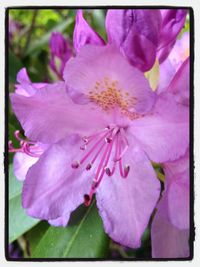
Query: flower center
x: 108, y: 94
x: 104, y: 151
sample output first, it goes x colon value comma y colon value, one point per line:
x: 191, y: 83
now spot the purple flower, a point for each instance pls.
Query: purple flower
x: 84, y: 34
x: 179, y: 85
x: 102, y: 126
x: 60, y: 53
x: 29, y: 152
x: 170, y: 228
x: 175, y: 59
x: 173, y: 21
x: 136, y: 33
x: 140, y: 35
x: 14, y: 251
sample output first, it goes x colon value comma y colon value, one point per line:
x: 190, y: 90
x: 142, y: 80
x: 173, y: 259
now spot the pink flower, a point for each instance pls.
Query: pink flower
x: 141, y: 35
x: 170, y: 227
x: 178, y: 55
x: 60, y: 53
x: 102, y: 126
x: 29, y: 152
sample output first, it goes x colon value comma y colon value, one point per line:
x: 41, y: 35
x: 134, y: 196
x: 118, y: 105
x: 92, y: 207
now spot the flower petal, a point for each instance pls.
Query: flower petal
x: 179, y: 86
x: 173, y: 21
x: 163, y: 135
x: 110, y: 68
x: 50, y: 114
x: 179, y: 199
x: 21, y: 164
x: 167, y: 72
x: 135, y: 32
x: 135, y: 47
x: 53, y: 189
x: 167, y: 240
x: 84, y: 34
x: 60, y: 221
x: 125, y: 205
x: 25, y: 86
x: 177, y: 183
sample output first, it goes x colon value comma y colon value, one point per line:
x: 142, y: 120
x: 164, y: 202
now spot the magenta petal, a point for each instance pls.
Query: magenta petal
x: 50, y: 114
x: 173, y: 21
x: 163, y: 135
x: 168, y: 241
x: 84, y: 34
x: 125, y: 205
x: 53, y: 188
x: 135, y: 47
x: 135, y: 32
x: 180, y: 84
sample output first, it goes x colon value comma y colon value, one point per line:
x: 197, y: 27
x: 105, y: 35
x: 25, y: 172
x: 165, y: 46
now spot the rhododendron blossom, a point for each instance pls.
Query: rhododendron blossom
x: 170, y: 227
x: 101, y: 127
x: 60, y: 53
x: 141, y: 35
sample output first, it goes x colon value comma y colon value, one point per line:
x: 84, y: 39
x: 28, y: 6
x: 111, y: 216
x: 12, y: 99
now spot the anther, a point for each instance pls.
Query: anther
x: 108, y: 171
x: 10, y: 144
x: 94, y: 185
x: 75, y: 164
x: 126, y: 170
x: 89, y: 166
x: 83, y: 147
x: 87, y: 200
x: 108, y: 140
x: 85, y: 139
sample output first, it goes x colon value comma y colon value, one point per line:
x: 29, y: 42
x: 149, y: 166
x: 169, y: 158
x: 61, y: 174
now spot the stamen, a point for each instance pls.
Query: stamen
x: 28, y: 147
x: 11, y: 148
x: 87, y: 200
x: 17, y: 136
x: 114, y: 137
x: 75, y: 164
x: 108, y: 140
x: 83, y: 147
x: 123, y: 171
x: 123, y: 137
x: 107, y: 170
x: 105, y: 157
x: 89, y: 166
x: 93, y: 148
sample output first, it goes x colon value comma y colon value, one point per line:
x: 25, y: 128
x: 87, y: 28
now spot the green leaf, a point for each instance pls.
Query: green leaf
x: 19, y: 222
x: 35, y: 234
x: 36, y: 45
x: 84, y: 237
x: 14, y: 65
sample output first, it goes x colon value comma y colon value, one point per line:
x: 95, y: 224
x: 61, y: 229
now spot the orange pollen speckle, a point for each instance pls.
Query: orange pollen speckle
x: 108, y: 94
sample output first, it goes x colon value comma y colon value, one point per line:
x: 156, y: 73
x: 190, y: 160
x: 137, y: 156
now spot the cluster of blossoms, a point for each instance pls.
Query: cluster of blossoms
x: 98, y: 130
